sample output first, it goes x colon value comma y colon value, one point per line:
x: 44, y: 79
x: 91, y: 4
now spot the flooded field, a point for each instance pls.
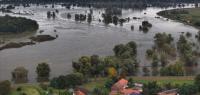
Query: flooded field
x: 76, y: 39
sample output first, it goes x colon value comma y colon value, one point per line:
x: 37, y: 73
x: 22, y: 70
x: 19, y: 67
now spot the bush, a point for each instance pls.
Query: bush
x: 151, y: 88
x: 19, y: 89
x: 188, y: 89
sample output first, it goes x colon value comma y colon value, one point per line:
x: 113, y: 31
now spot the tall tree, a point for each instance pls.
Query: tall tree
x: 43, y: 71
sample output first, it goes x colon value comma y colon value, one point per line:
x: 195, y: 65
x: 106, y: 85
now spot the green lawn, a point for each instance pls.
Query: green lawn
x: 28, y: 90
x: 32, y: 89
x: 161, y: 80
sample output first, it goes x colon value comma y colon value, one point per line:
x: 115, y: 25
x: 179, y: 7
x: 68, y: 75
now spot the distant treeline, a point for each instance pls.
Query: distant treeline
x: 96, y: 1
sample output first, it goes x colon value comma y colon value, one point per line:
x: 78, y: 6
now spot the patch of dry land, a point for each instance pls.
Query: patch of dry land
x: 189, y: 16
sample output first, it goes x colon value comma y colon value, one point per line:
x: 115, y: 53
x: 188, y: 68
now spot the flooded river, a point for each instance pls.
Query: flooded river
x: 76, y: 39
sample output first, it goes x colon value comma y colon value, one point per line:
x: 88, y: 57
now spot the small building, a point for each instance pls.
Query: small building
x: 169, y: 92
x: 20, y: 75
x: 120, y: 85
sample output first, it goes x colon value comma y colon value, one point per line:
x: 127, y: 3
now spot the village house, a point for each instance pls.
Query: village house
x: 80, y: 91
x: 121, y: 88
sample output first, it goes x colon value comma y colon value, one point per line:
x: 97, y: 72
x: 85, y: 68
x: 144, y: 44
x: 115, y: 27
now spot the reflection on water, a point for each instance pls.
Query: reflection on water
x: 77, y: 39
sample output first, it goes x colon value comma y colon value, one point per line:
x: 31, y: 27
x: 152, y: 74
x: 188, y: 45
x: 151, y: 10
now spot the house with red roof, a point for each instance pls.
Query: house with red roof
x: 121, y: 88
x: 80, y: 91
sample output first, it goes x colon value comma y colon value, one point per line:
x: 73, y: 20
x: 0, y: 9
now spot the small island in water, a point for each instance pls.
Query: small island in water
x: 10, y: 24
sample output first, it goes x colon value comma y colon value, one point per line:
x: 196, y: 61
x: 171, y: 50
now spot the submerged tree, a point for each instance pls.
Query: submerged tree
x: 20, y: 75
x: 5, y: 87
x: 89, y: 18
x: 43, y: 72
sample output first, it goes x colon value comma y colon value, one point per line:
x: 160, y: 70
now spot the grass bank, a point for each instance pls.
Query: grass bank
x: 33, y: 89
x: 190, y: 16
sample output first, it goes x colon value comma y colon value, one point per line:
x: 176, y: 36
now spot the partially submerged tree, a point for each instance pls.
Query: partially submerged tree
x: 43, y: 72
x: 20, y: 75
x: 5, y: 87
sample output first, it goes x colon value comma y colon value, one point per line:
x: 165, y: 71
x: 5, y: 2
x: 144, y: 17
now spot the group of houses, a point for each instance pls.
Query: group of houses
x: 121, y: 88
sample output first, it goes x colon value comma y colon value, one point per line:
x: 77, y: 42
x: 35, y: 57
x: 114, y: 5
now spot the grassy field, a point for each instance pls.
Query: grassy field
x: 191, y: 16
x: 27, y: 89
x: 32, y: 89
x: 161, y: 80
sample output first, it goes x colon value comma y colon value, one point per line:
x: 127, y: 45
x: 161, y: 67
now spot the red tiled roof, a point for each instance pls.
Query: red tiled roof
x: 119, y: 88
x: 120, y: 84
x: 129, y: 91
x: 123, y: 82
x: 79, y: 93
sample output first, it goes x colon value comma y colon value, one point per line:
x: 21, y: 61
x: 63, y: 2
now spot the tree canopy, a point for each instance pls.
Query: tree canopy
x: 17, y: 24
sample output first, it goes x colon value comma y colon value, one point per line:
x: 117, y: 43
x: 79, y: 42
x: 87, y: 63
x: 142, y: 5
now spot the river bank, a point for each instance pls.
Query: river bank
x: 189, y: 16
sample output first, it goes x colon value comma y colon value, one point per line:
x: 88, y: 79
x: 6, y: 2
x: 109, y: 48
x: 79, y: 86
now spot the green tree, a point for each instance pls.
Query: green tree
x: 173, y: 70
x: 43, y: 71
x: 74, y: 79
x: 58, y: 82
x: 133, y: 46
x: 126, y: 51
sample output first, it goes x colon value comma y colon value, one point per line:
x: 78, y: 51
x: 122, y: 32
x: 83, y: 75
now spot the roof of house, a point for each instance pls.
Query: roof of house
x: 125, y: 92
x: 123, y: 81
x: 81, y: 91
x: 168, y: 92
x: 120, y: 84
x: 129, y: 92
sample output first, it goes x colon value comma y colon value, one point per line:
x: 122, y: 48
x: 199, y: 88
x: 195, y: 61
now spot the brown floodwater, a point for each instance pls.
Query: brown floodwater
x: 76, y: 39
